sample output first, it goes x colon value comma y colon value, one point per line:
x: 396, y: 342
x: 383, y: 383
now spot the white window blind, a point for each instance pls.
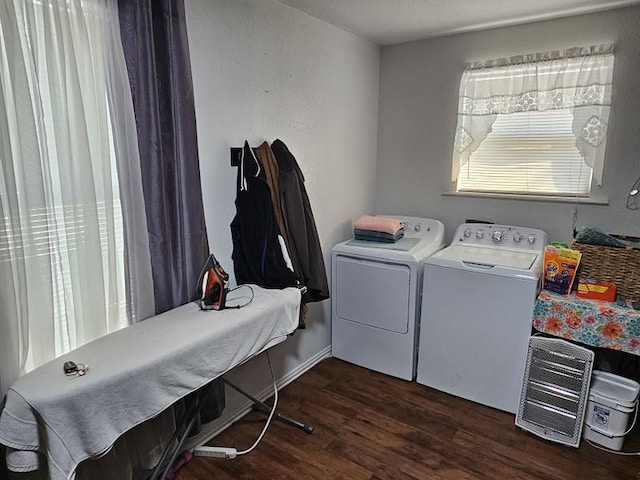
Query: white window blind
x: 528, y: 153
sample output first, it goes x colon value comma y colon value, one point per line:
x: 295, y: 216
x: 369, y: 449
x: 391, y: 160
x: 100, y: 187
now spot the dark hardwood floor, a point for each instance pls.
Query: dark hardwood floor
x: 369, y: 426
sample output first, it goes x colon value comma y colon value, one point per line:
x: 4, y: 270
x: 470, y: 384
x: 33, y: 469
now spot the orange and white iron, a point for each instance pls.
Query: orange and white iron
x: 213, y: 285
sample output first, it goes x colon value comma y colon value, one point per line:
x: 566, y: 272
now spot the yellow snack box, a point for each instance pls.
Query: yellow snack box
x: 596, y: 289
x: 560, y: 267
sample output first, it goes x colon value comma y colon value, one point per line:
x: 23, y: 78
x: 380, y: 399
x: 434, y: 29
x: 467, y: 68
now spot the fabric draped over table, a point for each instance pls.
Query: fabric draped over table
x: 592, y: 322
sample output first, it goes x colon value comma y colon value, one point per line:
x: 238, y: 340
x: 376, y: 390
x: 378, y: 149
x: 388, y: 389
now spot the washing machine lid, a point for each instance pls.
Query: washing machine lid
x: 493, y: 257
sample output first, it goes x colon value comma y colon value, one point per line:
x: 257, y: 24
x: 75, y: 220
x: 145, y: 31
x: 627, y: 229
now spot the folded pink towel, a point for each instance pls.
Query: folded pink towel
x: 378, y: 224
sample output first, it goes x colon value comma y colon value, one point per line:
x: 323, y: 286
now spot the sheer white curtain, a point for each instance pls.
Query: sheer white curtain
x: 578, y: 79
x: 74, y: 264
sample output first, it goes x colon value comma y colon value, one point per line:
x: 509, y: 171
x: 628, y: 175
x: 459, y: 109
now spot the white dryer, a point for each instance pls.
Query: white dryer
x: 376, y: 297
x: 478, y: 301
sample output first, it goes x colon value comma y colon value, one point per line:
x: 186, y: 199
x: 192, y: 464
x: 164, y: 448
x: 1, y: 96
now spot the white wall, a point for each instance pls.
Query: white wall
x: 263, y: 71
x: 418, y: 99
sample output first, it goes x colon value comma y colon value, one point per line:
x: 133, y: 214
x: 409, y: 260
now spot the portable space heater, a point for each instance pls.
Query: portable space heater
x: 555, y: 390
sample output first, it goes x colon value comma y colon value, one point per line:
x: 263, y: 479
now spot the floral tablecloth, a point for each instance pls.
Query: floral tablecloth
x: 592, y: 322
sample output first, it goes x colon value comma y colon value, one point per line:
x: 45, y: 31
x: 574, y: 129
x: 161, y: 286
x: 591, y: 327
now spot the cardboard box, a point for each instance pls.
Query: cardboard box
x: 597, y: 290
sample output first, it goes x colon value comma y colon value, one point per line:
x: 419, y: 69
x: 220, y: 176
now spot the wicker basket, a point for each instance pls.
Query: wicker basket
x: 620, y: 265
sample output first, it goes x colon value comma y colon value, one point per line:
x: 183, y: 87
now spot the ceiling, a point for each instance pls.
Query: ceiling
x: 387, y: 22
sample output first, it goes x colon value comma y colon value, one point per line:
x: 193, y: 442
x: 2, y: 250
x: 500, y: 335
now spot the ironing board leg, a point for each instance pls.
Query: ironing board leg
x: 264, y: 408
x: 178, y: 440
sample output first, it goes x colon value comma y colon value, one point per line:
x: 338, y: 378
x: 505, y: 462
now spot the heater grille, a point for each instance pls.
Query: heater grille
x: 555, y: 390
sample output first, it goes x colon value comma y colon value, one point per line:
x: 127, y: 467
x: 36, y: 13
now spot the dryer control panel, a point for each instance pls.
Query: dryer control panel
x: 418, y: 227
x: 501, y: 236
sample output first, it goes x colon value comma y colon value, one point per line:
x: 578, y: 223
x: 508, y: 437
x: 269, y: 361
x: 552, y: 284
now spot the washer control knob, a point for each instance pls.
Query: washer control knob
x: 531, y: 238
x: 496, y: 236
x: 418, y: 227
x: 467, y: 232
x: 479, y: 234
x: 517, y: 237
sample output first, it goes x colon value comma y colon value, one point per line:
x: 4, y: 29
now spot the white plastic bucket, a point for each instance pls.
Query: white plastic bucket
x: 612, y: 401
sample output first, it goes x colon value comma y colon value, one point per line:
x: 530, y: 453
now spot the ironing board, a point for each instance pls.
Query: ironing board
x: 134, y: 374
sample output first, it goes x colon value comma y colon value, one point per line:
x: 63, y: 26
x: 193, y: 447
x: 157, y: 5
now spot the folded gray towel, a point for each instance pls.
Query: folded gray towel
x: 376, y: 236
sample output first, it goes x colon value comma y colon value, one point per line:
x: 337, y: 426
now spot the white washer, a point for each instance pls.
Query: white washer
x: 478, y: 301
x: 375, y: 292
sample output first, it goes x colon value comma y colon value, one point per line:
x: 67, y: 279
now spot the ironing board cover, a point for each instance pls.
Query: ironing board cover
x: 591, y: 322
x: 134, y: 374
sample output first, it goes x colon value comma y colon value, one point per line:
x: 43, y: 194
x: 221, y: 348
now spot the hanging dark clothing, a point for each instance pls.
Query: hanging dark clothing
x: 272, y: 174
x: 304, y: 249
x: 257, y: 255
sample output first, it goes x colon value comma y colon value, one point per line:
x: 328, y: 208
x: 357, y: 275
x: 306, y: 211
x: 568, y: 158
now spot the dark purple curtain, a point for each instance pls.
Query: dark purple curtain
x: 154, y: 37
x: 156, y: 49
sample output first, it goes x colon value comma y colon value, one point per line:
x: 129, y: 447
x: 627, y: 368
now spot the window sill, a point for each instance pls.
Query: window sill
x: 531, y: 198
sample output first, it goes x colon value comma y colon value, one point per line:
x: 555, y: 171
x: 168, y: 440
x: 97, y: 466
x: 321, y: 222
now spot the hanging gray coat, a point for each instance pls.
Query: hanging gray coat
x: 304, y: 243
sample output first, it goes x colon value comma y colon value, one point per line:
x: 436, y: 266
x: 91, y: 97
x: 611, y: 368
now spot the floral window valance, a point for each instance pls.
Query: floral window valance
x: 577, y: 79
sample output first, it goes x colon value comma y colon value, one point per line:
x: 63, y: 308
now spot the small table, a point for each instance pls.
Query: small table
x: 591, y: 322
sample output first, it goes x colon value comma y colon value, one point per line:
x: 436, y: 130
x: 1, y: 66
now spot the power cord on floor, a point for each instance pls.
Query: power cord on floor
x: 230, y: 452
x: 608, y: 450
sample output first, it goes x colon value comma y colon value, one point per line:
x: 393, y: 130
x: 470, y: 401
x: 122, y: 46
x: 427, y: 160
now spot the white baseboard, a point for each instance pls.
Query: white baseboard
x: 228, y: 418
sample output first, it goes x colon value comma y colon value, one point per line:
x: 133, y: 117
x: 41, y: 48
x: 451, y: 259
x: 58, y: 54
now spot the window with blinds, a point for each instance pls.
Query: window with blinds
x: 528, y: 153
x: 534, y: 124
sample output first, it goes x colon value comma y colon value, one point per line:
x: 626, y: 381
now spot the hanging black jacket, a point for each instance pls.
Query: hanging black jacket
x: 304, y: 243
x: 257, y: 255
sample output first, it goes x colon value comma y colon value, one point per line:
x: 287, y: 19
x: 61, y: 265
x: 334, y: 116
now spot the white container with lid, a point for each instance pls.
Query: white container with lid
x: 612, y: 399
